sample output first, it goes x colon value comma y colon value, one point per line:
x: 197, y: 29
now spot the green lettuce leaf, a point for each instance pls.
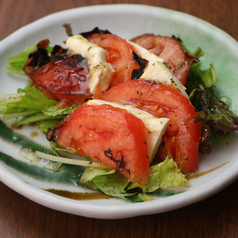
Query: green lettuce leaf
x: 214, y: 114
x: 17, y: 62
x: 32, y: 106
x: 144, y: 197
x: 208, y: 77
x: 38, y: 117
x: 112, y: 184
x: 199, y: 53
x: 212, y: 110
x: 106, y: 180
x: 163, y: 175
x: 44, y: 125
x: 32, y: 100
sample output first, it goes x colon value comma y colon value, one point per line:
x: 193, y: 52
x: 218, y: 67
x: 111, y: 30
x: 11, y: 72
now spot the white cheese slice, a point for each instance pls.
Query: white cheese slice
x: 157, y: 70
x: 100, y: 70
x: 156, y: 127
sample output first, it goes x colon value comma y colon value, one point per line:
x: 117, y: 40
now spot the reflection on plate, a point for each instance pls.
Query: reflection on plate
x: 219, y: 48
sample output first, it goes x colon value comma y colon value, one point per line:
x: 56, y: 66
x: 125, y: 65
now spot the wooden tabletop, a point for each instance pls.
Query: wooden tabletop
x: 216, y: 216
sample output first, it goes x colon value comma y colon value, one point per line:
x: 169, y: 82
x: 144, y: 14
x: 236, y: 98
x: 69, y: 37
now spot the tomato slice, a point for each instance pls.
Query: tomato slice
x: 182, y: 136
x: 61, y: 76
x: 66, y: 80
x: 112, y: 136
x: 119, y: 55
x: 171, y: 50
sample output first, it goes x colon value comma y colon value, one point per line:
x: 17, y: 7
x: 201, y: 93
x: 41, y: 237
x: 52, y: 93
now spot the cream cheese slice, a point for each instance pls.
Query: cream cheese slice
x: 155, y: 126
x: 100, y: 70
x: 157, y: 70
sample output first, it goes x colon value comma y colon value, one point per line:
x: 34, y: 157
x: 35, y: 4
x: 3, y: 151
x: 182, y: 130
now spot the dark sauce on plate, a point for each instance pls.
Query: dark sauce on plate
x: 197, y: 175
x: 78, y: 195
x: 15, y: 126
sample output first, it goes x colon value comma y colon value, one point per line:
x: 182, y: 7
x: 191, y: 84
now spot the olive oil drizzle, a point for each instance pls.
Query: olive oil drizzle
x: 34, y: 134
x: 197, y: 175
x: 15, y: 126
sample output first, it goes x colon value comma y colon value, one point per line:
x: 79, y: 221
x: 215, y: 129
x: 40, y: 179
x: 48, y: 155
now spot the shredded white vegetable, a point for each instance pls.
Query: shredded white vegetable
x: 14, y: 97
x: 66, y: 160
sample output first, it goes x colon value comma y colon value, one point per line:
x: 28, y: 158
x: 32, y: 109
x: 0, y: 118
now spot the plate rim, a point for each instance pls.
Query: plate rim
x: 31, y: 192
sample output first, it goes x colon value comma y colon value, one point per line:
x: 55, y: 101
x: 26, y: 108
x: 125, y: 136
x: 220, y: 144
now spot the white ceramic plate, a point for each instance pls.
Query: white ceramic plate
x: 127, y: 21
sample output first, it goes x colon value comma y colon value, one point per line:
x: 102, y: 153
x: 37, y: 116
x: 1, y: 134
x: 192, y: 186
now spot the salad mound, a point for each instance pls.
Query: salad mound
x: 156, y: 113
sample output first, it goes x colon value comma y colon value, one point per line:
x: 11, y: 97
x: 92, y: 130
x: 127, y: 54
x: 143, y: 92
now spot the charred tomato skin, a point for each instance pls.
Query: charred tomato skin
x: 60, y: 76
x: 169, y: 49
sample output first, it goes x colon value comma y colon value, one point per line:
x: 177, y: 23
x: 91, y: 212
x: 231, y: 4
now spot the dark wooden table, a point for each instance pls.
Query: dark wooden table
x: 216, y: 216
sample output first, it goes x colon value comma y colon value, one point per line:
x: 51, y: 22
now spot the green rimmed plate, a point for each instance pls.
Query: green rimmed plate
x: 126, y: 21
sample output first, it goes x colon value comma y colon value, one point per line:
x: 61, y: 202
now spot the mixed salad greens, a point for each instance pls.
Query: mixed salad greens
x: 31, y: 105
